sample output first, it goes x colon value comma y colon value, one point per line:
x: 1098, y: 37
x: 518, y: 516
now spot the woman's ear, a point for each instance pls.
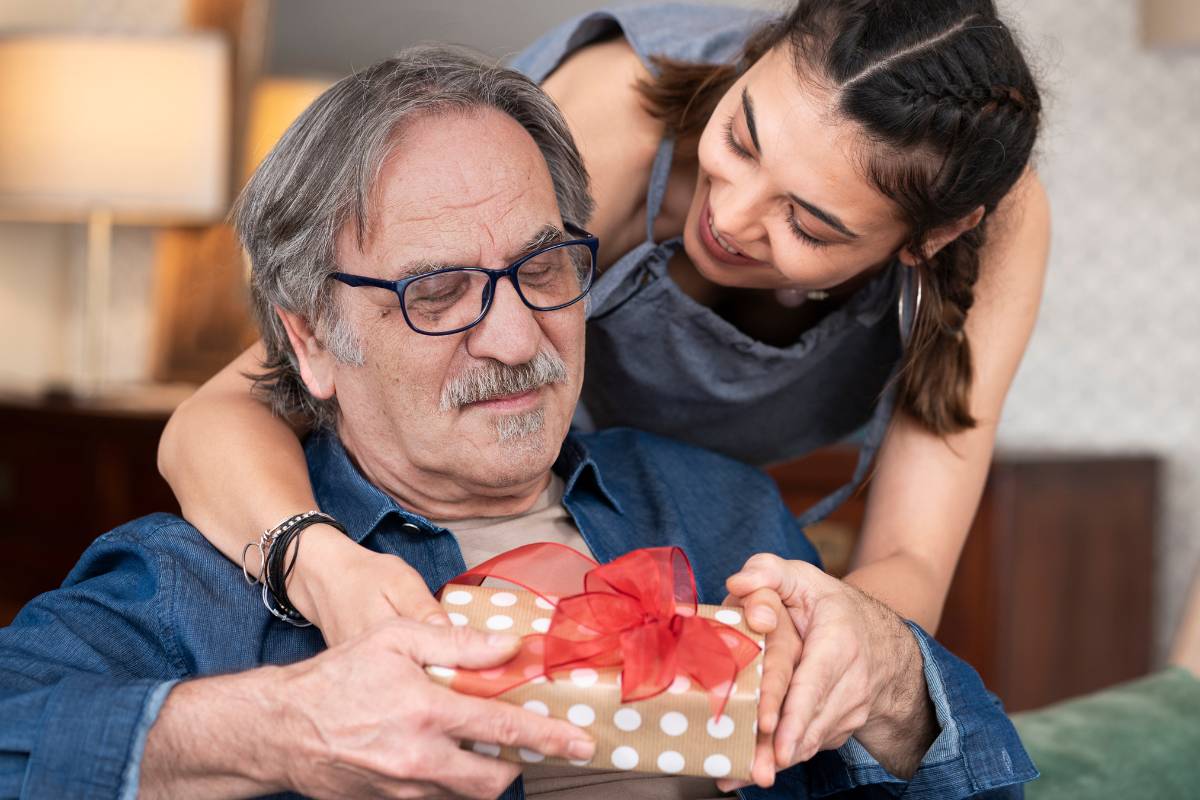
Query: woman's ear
x: 941, y: 237
x: 315, y: 362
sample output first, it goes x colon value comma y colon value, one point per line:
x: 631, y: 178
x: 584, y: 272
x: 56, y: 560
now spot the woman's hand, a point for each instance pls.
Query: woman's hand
x: 345, y: 589
x: 851, y: 664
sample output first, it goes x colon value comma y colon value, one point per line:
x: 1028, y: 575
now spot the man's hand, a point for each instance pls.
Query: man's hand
x: 858, y: 670
x: 359, y: 720
x: 383, y: 587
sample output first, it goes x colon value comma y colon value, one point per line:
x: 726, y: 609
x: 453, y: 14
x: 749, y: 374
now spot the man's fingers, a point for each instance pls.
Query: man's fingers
x: 789, y: 579
x: 763, y: 609
x: 783, y: 648
x: 496, y: 722
x: 467, y: 774
x: 813, y: 681
x: 451, y: 646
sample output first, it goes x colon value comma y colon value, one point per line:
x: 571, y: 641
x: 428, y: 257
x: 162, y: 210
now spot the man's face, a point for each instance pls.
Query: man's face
x: 469, y: 190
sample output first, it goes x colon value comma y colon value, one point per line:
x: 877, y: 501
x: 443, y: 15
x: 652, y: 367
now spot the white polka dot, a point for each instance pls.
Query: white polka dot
x: 670, y: 761
x: 537, y: 707
x: 486, y: 749
x: 581, y: 714
x: 624, y: 757
x: 532, y: 756
x: 584, y: 677
x: 680, y: 685
x: 725, y: 688
x: 717, y: 766
x: 442, y: 672
x: 627, y: 719
x: 499, y: 622
x: 504, y: 599
x: 459, y: 598
x: 757, y: 694
x: 758, y: 667
x: 673, y: 723
x: 726, y: 615
x: 457, y: 619
x: 720, y: 728
x: 532, y: 671
x: 541, y: 624
x: 538, y: 679
x: 543, y: 604
x: 731, y: 641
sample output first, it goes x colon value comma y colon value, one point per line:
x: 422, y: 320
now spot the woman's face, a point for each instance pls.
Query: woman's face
x: 780, y: 200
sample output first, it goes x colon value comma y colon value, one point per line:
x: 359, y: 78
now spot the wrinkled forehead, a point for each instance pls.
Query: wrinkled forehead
x: 466, y: 186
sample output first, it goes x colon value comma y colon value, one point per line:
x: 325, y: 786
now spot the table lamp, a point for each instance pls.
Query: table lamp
x: 112, y: 129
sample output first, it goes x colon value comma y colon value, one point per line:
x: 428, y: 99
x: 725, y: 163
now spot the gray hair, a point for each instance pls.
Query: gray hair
x: 321, y: 176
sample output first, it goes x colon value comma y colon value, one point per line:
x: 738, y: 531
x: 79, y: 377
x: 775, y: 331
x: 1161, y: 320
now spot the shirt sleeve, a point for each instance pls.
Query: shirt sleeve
x: 84, y: 670
x: 977, y: 752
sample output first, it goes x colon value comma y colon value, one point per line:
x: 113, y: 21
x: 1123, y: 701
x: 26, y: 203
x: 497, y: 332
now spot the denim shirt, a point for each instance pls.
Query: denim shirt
x: 85, y: 669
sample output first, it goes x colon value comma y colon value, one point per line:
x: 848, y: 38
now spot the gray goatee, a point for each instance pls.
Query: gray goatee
x: 495, y: 379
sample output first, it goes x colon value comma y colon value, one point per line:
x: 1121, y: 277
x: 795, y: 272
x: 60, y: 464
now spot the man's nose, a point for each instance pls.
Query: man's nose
x: 510, y: 332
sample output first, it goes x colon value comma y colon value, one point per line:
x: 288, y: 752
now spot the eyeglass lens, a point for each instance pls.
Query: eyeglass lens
x: 446, y: 301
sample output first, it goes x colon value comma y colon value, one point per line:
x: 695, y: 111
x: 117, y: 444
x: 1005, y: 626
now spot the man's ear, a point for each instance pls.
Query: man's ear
x: 943, y: 236
x: 315, y: 362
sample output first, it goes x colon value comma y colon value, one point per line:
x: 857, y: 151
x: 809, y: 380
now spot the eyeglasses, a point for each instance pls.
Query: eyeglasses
x: 454, y: 299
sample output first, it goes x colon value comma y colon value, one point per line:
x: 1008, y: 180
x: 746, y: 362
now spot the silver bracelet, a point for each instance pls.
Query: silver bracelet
x: 264, y: 545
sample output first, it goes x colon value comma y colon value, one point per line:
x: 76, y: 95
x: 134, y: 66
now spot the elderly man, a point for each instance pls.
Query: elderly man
x: 443, y: 393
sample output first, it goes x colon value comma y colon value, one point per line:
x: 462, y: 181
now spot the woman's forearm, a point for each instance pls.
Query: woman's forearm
x: 235, y: 468
x: 905, y: 585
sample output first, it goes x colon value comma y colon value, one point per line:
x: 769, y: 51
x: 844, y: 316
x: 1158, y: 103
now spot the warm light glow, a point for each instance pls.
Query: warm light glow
x: 276, y: 104
x: 138, y: 126
x: 1171, y: 23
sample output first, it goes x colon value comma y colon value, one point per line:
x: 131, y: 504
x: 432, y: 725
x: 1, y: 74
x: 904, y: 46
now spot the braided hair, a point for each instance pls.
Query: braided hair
x: 949, y: 112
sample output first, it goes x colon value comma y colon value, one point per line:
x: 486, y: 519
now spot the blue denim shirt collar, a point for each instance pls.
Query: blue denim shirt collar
x: 343, y: 491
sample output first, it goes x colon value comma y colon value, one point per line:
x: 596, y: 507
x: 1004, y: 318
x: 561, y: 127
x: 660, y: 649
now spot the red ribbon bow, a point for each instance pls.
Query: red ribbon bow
x: 637, y: 612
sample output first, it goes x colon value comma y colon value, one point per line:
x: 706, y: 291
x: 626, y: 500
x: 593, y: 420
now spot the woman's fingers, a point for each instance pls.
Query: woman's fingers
x: 791, y: 580
x: 407, y: 593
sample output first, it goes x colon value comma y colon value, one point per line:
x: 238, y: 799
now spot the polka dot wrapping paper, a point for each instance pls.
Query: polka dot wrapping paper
x: 673, y: 732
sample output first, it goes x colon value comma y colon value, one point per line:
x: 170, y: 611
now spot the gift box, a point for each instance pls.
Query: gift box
x: 667, y: 720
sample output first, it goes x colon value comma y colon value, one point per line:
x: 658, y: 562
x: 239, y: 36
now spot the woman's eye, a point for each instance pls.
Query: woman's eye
x: 802, y: 234
x: 732, y: 142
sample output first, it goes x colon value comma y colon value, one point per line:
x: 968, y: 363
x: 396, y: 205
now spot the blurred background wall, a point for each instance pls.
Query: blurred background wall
x: 1113, y: 361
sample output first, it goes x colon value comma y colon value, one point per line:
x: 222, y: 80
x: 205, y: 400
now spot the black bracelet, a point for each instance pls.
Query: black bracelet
x: 278, y: 566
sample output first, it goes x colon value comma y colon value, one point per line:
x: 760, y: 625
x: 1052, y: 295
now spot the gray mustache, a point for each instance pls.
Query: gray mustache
x: 495, y: 379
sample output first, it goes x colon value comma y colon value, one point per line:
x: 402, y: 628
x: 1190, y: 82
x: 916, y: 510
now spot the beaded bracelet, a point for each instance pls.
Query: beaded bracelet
x: 272, y: 549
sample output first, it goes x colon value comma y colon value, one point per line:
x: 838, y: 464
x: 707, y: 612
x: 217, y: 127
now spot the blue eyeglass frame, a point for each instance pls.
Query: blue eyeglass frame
x: 494, y: 276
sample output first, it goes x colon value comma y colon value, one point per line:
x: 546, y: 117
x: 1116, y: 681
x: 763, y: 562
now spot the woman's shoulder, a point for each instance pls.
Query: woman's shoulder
x: 683, y: 31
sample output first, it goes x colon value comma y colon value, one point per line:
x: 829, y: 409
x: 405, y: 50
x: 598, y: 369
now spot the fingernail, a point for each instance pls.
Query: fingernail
x: 763, y: 617
x: 581, y: 749
x: 502, y: 641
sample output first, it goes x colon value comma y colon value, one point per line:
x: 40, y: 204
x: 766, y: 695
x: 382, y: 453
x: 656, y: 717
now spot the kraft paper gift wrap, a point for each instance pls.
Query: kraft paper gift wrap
x: 672, y: 732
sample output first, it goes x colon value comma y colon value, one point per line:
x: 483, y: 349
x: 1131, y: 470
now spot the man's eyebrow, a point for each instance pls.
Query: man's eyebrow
x: 829, y: 219
x: 546, y: 235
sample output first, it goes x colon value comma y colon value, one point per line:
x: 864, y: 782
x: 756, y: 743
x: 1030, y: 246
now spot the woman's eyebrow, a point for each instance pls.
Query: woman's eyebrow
x: 818, y: 212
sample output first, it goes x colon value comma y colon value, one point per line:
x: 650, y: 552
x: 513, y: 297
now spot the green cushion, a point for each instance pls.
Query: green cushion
x: 1137, y: 740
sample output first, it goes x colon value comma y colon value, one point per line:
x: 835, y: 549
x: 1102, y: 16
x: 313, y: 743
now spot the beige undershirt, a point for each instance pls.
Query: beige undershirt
x: 548, y: 521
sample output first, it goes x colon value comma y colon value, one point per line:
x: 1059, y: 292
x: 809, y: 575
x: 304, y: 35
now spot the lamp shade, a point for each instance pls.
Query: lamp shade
x: 273, y: 108
x: 136, y: 126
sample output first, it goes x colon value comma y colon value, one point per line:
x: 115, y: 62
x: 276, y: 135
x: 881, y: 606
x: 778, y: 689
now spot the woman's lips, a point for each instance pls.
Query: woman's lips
x: 716, y: 249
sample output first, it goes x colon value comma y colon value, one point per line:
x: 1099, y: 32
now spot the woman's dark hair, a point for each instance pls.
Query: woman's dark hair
x: 950, y: 113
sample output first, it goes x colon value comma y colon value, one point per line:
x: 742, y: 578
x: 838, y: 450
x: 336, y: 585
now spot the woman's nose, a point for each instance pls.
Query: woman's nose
x: 739, y: 215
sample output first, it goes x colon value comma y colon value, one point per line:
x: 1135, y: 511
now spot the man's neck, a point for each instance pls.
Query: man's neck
x: 442, y: 496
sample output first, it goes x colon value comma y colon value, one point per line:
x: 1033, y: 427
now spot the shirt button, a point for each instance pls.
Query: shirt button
x: 411, y: 527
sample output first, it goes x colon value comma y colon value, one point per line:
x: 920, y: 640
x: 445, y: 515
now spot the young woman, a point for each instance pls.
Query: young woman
x: 809, y: 225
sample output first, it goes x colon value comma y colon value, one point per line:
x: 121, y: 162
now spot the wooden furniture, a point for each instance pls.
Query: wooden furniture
x: 1053, y: 593
x: 1052, y: 597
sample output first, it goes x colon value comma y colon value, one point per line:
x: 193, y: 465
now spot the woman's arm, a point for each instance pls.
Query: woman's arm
x: 926, y: 488
x: 237, y: 469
